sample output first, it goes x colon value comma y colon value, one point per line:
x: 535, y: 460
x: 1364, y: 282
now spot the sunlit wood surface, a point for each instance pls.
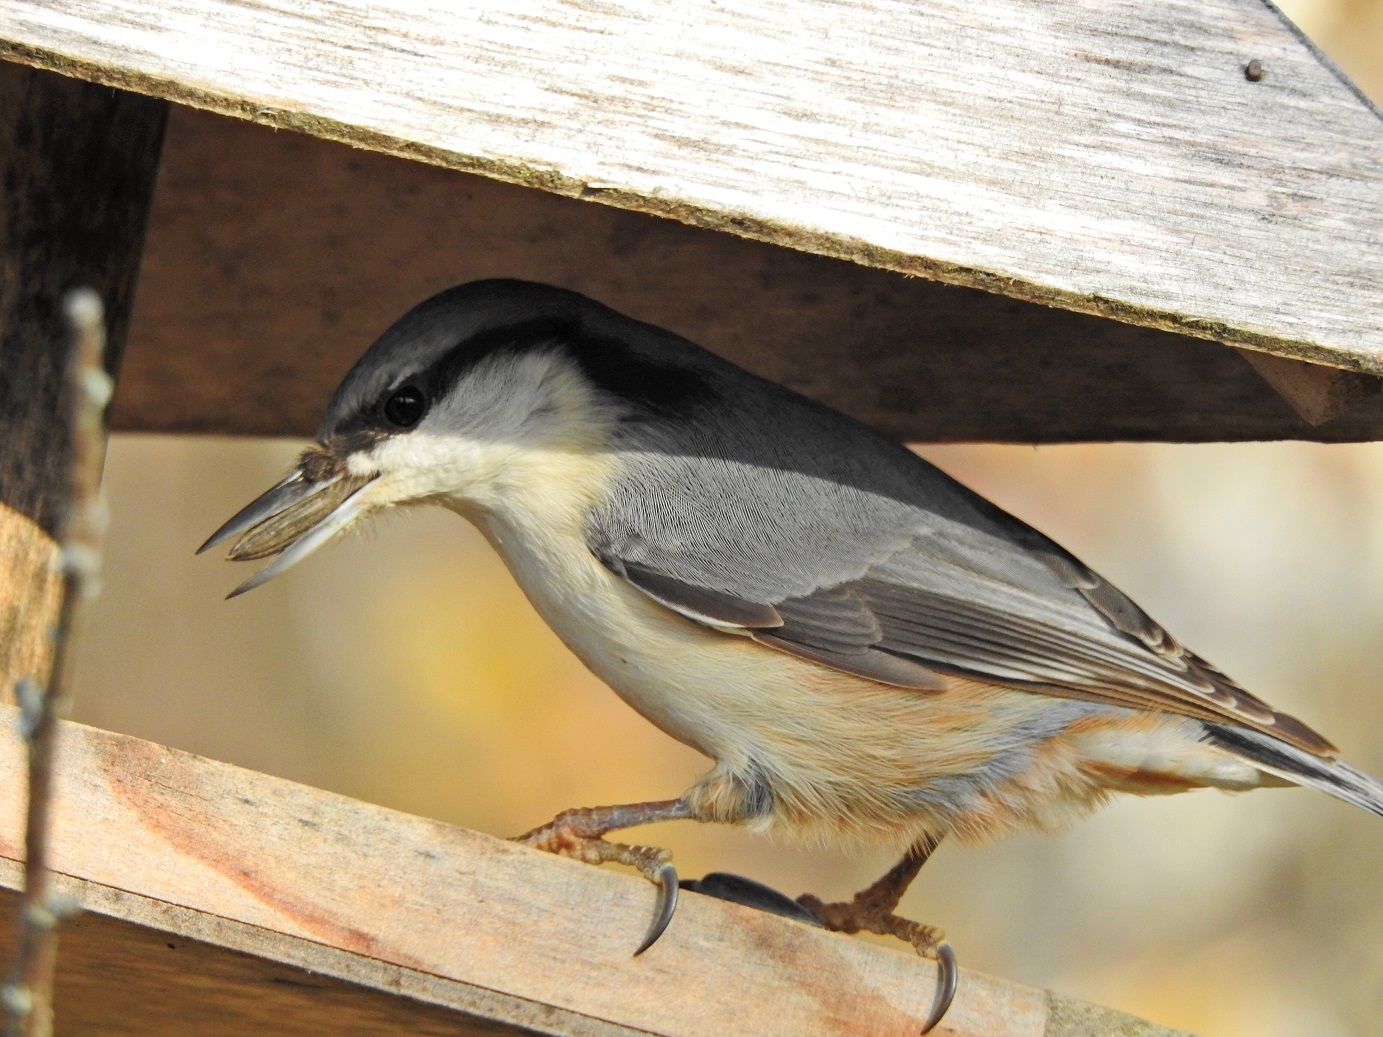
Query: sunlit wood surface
x: 1107, y: 156
x: 245, y: 903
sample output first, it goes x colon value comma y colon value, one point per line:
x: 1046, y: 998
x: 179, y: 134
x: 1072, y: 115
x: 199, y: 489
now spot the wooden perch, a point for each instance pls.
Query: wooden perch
x: 222, y: 901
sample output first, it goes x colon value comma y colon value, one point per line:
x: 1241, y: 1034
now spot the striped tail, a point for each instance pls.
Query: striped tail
x: 1286, y: 761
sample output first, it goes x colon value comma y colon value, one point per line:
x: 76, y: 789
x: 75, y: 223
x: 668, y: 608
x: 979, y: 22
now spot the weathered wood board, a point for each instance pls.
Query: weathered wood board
x: 274, y: 258
x: 77, y: 169
x: 222, y: 901
x: 1107, y: 156
x: 120, y: 978
x: 1318, y: 394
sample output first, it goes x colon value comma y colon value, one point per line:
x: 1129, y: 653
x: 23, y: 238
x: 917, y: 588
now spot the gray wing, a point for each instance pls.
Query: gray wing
x: 902, y: 576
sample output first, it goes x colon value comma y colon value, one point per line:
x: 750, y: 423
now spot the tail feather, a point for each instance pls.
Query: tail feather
x: 1286, y: 761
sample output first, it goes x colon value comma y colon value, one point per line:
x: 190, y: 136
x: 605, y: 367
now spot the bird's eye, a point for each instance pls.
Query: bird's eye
x: 405, y: 407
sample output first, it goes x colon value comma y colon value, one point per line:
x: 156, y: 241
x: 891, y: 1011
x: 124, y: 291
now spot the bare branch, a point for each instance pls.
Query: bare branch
x: 28, y: 994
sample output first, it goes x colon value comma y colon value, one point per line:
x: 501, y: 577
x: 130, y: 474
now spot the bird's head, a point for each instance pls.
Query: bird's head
x: 471, y: 399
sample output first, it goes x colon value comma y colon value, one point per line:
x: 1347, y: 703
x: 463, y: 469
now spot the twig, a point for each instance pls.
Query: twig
x: 28, y: 994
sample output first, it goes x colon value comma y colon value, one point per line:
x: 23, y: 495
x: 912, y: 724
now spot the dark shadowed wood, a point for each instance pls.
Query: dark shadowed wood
x: 77, y: 168
x: 122, y: 979
x: 225, y: 902
x: 274, y: 258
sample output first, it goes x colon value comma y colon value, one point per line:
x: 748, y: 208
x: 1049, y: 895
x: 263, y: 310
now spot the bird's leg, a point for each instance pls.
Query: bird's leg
x: 578, y: 834
x: 871, y: 910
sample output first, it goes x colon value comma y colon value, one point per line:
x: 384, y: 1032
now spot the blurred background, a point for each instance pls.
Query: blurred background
x: 405, y: 668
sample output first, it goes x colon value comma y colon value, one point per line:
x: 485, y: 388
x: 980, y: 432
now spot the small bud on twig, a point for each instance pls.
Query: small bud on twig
x: 28, y: 996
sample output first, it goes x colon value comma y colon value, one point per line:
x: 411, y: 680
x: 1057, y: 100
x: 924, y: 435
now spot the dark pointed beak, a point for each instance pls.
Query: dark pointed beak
x: 292, y: 519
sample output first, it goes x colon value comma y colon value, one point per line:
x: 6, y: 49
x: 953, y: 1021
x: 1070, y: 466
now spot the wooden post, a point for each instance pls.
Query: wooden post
x: 77, y: 169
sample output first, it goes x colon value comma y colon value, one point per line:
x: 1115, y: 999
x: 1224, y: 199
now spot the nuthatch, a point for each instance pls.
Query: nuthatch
x: 865, y: 648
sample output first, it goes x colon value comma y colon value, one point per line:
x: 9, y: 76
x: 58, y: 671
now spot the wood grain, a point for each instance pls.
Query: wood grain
x: 1318, y: 394
x: 30, y: 593
x: 77, y: 168
x: 273, y: 258
x: 503, y: 935
x: 1108, y: 156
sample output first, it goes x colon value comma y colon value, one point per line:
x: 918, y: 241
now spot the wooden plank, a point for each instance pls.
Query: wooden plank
x: 274, y: 258
x: 1318, y: 394
x: 180, y: 972
x: 154, y: 841
x: 30, y: 593
x: 77, y: 167
x: 1108, y: 156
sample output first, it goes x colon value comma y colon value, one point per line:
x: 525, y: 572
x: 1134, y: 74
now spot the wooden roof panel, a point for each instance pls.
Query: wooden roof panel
x: 273, y: 259
x: 1107, y: 156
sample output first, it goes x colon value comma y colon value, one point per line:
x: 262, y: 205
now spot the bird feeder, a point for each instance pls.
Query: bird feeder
x: 1006, y: 221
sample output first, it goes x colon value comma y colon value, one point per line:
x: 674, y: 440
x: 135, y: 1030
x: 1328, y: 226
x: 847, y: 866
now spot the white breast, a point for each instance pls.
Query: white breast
x: 701, y: 686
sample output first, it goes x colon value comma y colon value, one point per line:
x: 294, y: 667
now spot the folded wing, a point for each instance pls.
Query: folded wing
x: 960, y: 590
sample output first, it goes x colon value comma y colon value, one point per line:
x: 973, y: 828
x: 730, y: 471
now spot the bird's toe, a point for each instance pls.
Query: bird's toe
x: 863, y: 915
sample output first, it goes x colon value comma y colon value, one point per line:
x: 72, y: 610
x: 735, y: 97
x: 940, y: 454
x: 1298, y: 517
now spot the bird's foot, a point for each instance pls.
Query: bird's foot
x: 854, y: 916
x: 864, y: 913
x: 579, y: 834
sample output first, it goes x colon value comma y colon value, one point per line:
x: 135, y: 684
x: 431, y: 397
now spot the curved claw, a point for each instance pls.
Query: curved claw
x: 667, y: 906
x: 947, y: 976
x: 739, y: 890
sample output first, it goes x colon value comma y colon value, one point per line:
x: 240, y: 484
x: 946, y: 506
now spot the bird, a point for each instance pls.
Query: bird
x: 866, y: 650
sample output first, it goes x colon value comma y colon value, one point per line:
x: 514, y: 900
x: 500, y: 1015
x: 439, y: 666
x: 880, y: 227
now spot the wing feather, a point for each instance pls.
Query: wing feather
x: 892, y: 571
x: 913, y: 617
